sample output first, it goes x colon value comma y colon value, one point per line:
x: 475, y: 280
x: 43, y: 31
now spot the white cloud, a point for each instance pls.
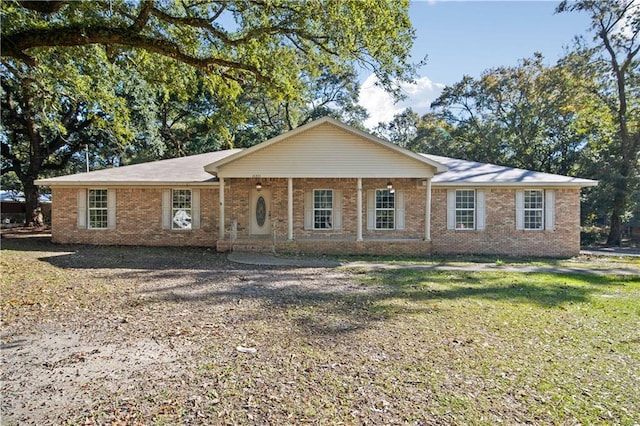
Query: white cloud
x: 381, y: 107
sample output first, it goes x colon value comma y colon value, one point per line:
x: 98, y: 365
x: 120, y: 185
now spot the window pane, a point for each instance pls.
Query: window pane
x: 385, y: 199
x: 97, y: 209
x: 464, y: 219
x: 532, y: 199
x: 465, y: 199
x: 322, y: 219
x: 533, y: 219
x: 181, y: 209
x: 323, y: 199
x: 384, y: 219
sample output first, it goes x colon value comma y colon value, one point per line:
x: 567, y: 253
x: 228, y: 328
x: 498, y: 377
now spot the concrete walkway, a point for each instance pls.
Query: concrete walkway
x: 261, y: 259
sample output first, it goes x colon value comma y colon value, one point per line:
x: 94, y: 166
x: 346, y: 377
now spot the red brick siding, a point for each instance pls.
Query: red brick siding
x: 500, y: 236
x: 138, y: 220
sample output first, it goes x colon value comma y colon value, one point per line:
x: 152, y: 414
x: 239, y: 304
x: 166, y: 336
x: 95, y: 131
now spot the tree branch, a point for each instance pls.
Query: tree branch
x: 16, y: 44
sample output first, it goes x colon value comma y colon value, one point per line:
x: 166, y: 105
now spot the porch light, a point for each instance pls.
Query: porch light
x: 258, y: 185
x: 389, y: 185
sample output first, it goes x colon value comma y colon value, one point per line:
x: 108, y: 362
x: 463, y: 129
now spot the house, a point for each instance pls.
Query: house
x: 13, y: 209
x: 322, y: 188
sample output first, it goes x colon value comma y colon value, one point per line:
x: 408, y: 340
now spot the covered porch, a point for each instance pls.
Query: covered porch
x: 325, y: 215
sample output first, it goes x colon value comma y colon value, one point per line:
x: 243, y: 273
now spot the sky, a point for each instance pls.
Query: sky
x: 467, y: 37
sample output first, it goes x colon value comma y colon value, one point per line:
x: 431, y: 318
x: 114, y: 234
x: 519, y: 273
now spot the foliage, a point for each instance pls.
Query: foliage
x: 522, y: 116
x: 120, y: 65
x: 614, y: 65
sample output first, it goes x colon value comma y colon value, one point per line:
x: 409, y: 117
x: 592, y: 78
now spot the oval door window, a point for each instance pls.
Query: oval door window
x: 261, y: 211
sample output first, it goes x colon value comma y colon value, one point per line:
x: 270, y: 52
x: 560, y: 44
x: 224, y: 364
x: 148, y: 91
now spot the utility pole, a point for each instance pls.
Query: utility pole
x: 86, y: 156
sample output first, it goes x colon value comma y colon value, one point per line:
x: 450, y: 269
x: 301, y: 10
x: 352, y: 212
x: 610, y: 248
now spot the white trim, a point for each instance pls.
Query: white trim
x: 289, y: 209
x: 82, y: 209
x: 359, y: 211
x: 221, y: 212
x: 323, y: 209
x: 427, y: 213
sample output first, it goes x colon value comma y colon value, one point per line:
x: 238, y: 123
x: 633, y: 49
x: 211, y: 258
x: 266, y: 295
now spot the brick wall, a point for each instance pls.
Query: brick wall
x: 138, y: 220
x: 500, y: 236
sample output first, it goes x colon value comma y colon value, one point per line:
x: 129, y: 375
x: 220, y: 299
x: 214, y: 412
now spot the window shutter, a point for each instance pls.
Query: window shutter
x: 166, y: 209
x: 111, y: 208
x: 82, y: 209
x: 519, y: 210
x: 549, y: 209
x: 308, y: 210
x: 337, y: 209
x: 399, y: 200
x: 480, y: 210
x: 451, y: 209
x: 371, y: 209
x: 195, y: 209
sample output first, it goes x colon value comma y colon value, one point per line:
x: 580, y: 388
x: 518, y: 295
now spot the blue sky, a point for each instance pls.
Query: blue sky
x: 467, y: 37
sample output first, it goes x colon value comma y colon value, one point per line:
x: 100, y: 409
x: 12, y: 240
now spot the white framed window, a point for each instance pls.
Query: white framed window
x: 385, y: 209
x: 533, y: 209
x: 322, y: 209
x: 181, y: 209
x: 97, y: 209
x: 465, y: 209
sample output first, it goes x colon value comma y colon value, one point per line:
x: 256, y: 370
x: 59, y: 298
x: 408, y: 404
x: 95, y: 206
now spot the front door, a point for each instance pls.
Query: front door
x: 260, y: 206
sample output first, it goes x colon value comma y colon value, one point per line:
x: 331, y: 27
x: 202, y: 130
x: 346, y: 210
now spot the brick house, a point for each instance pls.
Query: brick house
x: 322, y: 188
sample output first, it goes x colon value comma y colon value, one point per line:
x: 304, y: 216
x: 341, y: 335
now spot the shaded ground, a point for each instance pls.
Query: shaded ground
x: 112, y: 335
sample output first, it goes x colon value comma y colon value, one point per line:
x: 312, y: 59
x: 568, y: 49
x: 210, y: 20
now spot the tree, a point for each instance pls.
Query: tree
x: 51, y: 112
x: 401, y: 130
x: 234, y: 44
x: 615, y: 62
x: 523, y: 116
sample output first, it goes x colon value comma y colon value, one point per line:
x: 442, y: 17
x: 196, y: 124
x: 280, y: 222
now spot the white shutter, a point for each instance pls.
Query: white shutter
x: 451, y: 209
x: 549, y: 209
x: 519, y: 210
x: 480, y: 210
x: 337, y: 209
x: 195, y: 209
x: 111, y: 208
x: 399, y: 200
x: 82, y: 208
x: 371, y: 209
x: 166, y: 209
x: 308, y: 210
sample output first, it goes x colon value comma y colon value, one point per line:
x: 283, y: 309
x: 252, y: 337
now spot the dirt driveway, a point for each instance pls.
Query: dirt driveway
x: 128, y: 339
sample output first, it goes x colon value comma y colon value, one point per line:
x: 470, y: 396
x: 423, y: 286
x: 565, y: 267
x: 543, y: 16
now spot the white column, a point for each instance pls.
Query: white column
x: 427, y: 215
x: 290, y: 208
x: 221, y: 215
x: 359, y: 211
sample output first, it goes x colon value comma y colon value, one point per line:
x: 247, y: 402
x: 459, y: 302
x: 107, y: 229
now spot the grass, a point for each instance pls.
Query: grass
x: 397, y: 346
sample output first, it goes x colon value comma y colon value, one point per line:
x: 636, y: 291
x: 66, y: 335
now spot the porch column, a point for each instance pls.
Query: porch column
x: 221, y: 214
x: 359, y: 211
x: 427, y: 216
x: 290, y: 208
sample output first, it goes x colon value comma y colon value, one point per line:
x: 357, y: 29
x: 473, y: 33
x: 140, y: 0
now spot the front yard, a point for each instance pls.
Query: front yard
x: 113, y: 335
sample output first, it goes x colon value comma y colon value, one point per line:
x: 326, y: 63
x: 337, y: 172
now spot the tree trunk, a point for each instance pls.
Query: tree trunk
x: 31, y: 196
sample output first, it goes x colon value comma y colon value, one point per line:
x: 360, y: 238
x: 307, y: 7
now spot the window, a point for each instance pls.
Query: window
x: 465, y: 209
x: 385, y: 206
x: 323, y: 209
x: 533, y: 209
x: 181, y: 209
x: 98, y: 206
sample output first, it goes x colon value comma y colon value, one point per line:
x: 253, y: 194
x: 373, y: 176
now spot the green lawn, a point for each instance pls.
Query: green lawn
x: 390, y: 347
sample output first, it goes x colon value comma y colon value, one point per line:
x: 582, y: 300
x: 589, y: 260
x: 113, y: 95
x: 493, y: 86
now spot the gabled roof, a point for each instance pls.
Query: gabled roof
x: 470, y: 173
x: 182, y: 171
x: 215, y: 167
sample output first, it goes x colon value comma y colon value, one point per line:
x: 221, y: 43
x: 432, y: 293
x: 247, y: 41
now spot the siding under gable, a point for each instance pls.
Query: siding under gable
x: 326, y: 151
